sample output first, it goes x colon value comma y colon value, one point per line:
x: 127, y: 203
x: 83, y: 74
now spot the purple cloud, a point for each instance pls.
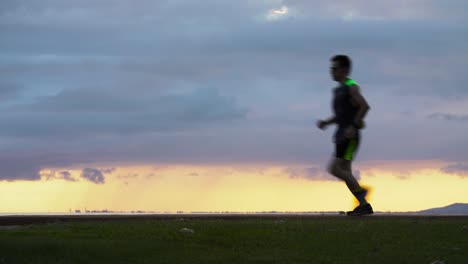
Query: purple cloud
x: 93, y: 175
x: 460, y: 169
x: 66, y: 175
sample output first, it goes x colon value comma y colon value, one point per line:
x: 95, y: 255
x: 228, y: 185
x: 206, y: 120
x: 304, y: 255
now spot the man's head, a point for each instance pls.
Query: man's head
x: 340, y: 67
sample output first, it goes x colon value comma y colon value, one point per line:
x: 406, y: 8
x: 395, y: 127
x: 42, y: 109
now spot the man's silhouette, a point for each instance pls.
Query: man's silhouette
x: 350, y: 108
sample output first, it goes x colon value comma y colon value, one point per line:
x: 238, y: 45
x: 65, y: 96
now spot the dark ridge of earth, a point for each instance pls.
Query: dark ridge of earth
x: 456, y: 208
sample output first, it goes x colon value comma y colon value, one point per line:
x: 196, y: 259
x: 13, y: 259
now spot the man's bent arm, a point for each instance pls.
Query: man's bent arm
x: 359, y: 101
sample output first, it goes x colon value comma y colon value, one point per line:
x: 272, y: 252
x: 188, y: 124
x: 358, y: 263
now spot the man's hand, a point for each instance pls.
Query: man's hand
x: 359, y: 124
x: 350, y: 132
x: 322, y: 124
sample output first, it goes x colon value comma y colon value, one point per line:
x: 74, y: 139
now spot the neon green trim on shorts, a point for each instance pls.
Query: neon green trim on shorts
x: 350, y: 82
x: 350, y: 150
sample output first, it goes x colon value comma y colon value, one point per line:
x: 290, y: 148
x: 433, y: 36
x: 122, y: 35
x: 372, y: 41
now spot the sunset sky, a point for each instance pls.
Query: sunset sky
x: 211, y: 105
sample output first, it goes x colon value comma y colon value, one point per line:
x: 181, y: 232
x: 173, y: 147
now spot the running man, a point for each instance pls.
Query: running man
x: 350, y: 108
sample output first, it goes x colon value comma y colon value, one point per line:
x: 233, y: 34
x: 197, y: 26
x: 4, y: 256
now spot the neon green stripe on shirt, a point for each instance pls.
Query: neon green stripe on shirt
x: 350, y: 82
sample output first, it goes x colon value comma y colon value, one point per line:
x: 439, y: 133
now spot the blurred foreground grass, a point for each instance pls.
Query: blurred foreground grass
x: 337, y: 239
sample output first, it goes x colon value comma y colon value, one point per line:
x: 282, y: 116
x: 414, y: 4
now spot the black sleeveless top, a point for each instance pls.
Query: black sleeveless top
x: 344, y: 110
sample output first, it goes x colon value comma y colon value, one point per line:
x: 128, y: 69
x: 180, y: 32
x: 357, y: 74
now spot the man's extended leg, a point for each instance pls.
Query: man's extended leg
x: 358, y: 191
x: 341, y: 168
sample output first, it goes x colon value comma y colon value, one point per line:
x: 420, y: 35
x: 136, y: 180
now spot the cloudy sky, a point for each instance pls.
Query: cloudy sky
x: 211, y: 105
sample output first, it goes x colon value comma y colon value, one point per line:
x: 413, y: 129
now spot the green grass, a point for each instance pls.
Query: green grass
x: 254, y: 240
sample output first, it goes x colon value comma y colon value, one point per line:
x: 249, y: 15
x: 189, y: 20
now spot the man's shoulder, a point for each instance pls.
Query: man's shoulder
x: 354, y: 88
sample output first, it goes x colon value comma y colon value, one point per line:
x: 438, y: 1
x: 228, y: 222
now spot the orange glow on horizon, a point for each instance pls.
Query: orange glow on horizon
x: 171, y: 188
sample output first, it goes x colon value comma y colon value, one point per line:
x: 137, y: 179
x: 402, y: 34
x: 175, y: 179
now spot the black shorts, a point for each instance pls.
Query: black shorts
x: 346, y: 148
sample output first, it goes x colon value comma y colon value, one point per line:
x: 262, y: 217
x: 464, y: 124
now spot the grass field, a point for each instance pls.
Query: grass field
x: 279, y: 239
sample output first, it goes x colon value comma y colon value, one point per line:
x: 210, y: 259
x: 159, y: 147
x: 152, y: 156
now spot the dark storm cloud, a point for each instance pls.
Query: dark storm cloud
x: 385, y: 52
x: 88, y: 111
x: 93, y: 175
x: 9, y: 91
x: 189, y: 43
x: 223, y: 81
x: 407, y: 10
x: 17, y: 168
x: 216, y: 26
x: 24, y: 161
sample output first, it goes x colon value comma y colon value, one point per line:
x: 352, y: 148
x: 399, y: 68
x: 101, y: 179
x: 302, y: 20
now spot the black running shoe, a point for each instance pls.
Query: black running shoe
x: 361, y: 210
